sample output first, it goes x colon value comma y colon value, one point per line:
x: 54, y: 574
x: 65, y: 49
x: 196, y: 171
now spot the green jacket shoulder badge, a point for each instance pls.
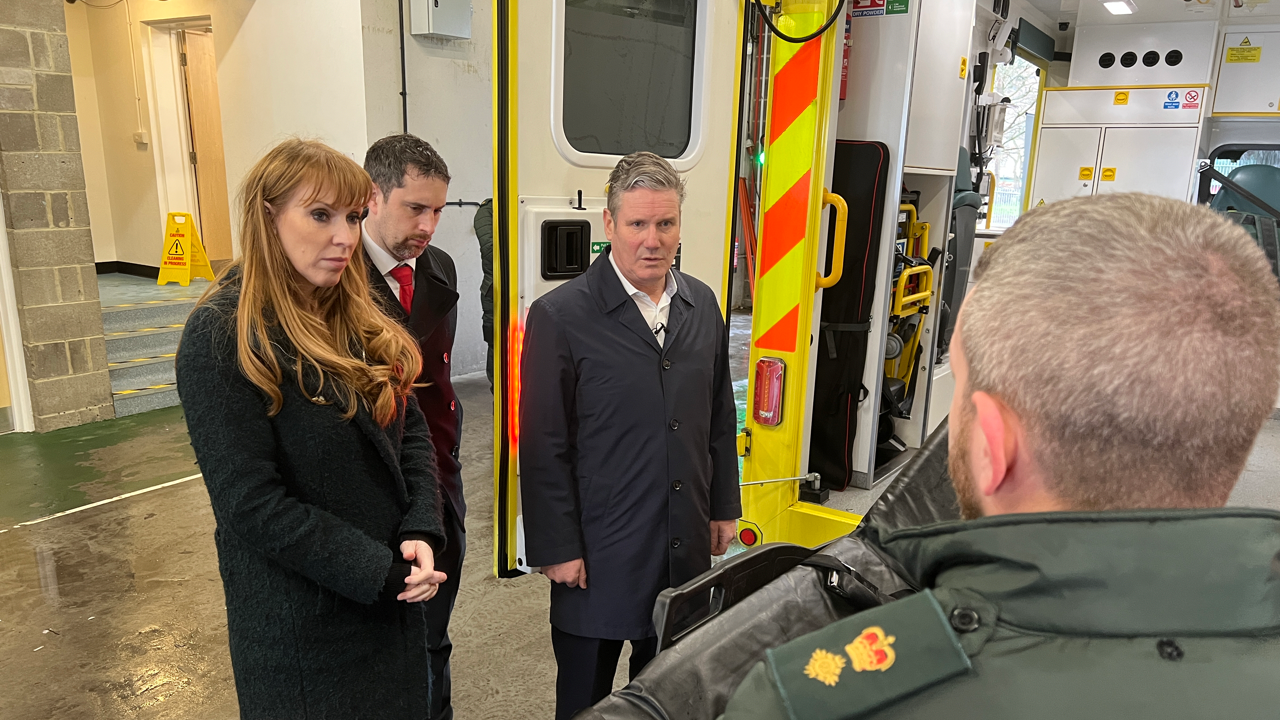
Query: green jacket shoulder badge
x: 866, y: 661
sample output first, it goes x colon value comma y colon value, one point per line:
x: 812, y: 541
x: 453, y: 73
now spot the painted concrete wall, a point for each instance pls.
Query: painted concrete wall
x: 285, y: 67
x: 450, y: 106
x: 90, y: 122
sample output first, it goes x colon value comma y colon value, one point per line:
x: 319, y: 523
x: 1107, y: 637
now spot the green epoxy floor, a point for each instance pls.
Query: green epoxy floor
x: 65, y: 469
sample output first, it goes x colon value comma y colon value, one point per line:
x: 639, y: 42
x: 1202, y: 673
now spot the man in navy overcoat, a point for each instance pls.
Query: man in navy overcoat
x: 628, y: 458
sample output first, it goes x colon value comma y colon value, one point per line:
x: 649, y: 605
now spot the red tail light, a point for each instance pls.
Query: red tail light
x: 515, y: 346
x: 770, y: 373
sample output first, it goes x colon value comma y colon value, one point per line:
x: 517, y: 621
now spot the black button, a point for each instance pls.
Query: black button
x: 1169, y: 649
x: 666, y: 364
x: 965, y: 620
x: 675, y: 424
x: 675, y: 543
x: 676, y: 485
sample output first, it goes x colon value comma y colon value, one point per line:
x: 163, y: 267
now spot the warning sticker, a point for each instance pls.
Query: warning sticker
x: 1244, y: 54
x: 866, y: 8
x: 1171, y: 100
x: 1191, y: 100
x: 877, y: 8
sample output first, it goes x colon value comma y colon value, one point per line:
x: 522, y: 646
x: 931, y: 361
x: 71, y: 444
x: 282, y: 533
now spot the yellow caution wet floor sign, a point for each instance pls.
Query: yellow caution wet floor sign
x: 184, y: 256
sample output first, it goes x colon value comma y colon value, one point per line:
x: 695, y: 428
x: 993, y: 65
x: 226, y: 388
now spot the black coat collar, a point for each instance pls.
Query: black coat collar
x: 433, y: 299
x: 609, y: 294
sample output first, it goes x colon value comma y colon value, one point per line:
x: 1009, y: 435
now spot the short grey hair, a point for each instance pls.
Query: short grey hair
x: 1138, y: 339
x: 642, y: 170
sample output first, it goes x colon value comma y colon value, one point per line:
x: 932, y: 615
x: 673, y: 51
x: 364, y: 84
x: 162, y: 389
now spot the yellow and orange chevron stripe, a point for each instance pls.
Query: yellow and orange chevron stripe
x: 790, y: 192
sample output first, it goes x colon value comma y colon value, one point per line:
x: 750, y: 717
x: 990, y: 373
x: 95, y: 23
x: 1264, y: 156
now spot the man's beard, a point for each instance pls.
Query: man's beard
x: 958, y: 466
x: 403, y: 251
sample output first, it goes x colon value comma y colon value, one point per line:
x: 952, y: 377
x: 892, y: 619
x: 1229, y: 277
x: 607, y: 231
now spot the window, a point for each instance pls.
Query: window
x: 1020, y: 83
x: 1229, y: 157
x: 628, y: 75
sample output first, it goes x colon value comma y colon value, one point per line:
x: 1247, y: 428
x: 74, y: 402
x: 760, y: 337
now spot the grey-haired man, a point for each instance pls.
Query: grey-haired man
x: 629, y: 469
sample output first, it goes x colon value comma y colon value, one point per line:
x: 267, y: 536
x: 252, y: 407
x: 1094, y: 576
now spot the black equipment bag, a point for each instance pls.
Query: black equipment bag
x: 773, y: 594
x: 860, y: 176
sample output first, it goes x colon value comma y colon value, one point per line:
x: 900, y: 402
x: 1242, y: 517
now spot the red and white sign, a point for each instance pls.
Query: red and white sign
x: 1191, y: 100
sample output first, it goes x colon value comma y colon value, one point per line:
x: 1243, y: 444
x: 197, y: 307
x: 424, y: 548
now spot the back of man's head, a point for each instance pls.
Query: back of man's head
x: 1137, y: 339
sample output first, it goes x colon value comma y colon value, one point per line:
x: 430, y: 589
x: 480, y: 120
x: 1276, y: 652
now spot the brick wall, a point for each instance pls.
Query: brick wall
x: 47, y: 216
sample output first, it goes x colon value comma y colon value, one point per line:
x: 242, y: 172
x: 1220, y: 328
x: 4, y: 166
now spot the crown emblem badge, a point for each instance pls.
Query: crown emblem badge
x: 873, y: 650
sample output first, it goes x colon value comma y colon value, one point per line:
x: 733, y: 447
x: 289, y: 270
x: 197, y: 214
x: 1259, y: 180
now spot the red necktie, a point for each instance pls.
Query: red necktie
x: 404, y: 275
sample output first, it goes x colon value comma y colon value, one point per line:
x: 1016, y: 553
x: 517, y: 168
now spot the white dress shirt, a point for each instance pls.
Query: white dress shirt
x: 655, y: 314
x: 385, y: 262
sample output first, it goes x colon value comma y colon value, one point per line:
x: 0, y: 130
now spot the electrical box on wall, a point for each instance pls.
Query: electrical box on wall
x: 440, y: 18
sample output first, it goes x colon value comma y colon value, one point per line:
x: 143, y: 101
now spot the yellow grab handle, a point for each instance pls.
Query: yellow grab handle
x: 907, y: 305
x: 837, y: 255
x: 991, y: 198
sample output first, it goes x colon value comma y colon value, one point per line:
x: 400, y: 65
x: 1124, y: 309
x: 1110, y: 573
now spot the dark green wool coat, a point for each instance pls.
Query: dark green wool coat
x: 310, y: 513
x: 1170, y: 614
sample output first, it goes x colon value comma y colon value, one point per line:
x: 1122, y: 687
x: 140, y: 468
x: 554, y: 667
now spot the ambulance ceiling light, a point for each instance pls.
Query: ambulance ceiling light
x: 1120, y: 7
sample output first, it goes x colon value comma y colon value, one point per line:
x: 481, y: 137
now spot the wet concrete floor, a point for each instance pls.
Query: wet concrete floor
x: 117, y: 611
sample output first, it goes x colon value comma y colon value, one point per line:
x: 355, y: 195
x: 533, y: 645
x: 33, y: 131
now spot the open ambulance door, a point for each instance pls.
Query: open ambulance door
x: 802, y: 108
x: 882, y: 147
x: 577, y: 85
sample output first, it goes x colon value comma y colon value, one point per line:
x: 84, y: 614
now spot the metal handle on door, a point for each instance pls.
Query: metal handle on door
x: 837, y: 254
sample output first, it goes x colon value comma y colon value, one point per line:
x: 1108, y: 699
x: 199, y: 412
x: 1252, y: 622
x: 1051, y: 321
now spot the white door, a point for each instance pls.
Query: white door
x: 1066, y: 162
x: 1159, y: 161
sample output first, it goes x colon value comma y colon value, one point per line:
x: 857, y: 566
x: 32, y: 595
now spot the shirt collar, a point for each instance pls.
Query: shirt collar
x: 382, y: 259
x: 669, y: 290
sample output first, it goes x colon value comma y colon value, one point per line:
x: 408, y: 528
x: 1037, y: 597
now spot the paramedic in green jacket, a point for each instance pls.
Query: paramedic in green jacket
x: 1113, y: 366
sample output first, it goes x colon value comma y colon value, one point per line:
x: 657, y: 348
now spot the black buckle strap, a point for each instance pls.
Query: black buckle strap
x: 845, y: 582
x: 830, y: 330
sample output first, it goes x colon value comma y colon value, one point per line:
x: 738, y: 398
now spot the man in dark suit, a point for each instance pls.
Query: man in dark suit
x: 417, y: 284
x: 628, y: 461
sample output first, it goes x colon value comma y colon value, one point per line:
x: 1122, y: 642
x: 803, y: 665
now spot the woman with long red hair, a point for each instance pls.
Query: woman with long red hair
x: 320, y: 469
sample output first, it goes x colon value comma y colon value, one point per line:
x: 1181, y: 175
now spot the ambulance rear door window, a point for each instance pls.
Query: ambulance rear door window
x: 628, y: 75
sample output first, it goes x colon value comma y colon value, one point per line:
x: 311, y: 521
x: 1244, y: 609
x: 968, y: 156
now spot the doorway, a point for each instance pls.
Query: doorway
x: 187, y: 119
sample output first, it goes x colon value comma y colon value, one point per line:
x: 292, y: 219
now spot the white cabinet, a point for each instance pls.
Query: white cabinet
x: 1079, y: 161
x: 938, y: 85
x: 1249, y: 74
x: 1158, y: 161
x: 1117, y: 139
x: 1065, y: 162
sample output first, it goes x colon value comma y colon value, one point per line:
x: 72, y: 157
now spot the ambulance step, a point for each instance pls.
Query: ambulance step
x: 143, y: 343
x: 132, y: 402
x: 146, y: 314
x: 141, y: 373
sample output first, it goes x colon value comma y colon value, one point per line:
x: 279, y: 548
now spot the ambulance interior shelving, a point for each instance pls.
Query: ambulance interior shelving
x: 847, y: 162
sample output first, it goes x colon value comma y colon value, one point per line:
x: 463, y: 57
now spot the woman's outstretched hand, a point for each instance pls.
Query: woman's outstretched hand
x: 424, y: 581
